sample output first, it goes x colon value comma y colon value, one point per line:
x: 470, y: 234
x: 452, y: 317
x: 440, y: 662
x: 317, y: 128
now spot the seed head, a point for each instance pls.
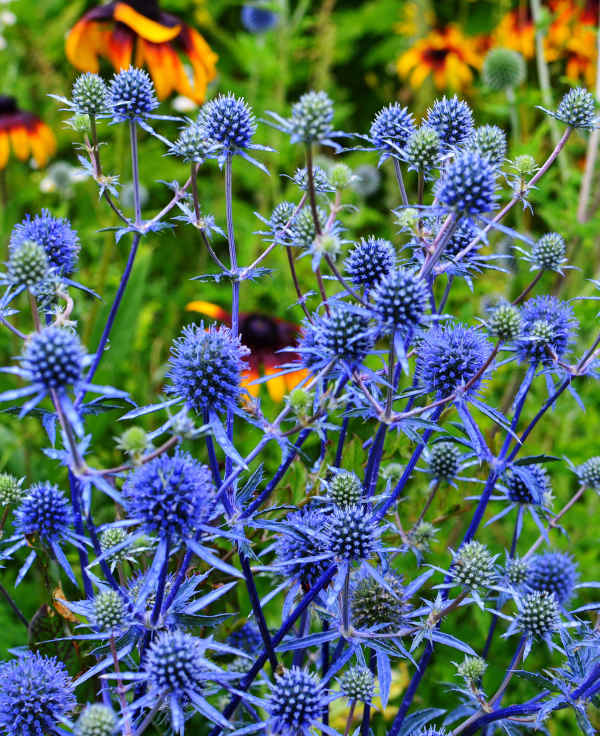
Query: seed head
x: 577, y: 109
x: 422, y: 150
x: 505, y: 322
x: 344, y: 488
x: 109, y: 610
x: 312, y: 118
x: 471, y: 669
x: 489, y: 141
x: 27, y: 264
x: 539, y: 614
x: 373, y: 605
x: 11, y: 489
x: 549, y: 252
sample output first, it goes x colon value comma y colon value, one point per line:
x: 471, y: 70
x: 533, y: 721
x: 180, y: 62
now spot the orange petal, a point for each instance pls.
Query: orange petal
x: 20, y: 142
x: 162, y: 63
x: 43, y: 143
x: 246, y: 380
x: 293, y: 378
x: 81, y: 46
x: 4, y: 150
x: 276, y: 385
x: 145, y: 28
x: 208, y: 308
x: 120, y: 48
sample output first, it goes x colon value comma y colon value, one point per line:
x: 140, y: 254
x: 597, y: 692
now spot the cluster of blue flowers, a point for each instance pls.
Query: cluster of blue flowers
x: 163, y: 597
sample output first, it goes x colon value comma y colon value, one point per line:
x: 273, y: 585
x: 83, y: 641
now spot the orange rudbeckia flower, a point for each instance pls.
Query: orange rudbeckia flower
x: 265, y: 336
x: 446, y: 54
x: 516, y: 31
x: 25, y: 133
x: 139, y: 32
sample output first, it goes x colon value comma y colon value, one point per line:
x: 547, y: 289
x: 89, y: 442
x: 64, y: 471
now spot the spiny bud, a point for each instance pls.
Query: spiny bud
x: 422, y: 536
x: 505, y: 322
x: 340, y: 176
x: 549, y: 251
x: 96, y: 720
x: 577, y: 109
x: 392, y: 472
x: 372, y: 604
x: 539, y: 614
x: 358, y: 683
x: 473, y: 566
x: 27, y: 264
x: 471, y: 669
x: 90, y: 94
x: 516, y: 571
x: 80, y: 123
x: 327, y: 244
x: 301, y: 403
x: 344, y: 488
x: 109, y: 610
x: 11, y: 490
x: 312, y: 118
x: 589, y: 472
x: 503, y: 69
x: 423, y: 149
x: 490, y: 142
x: 110, y: 538
x: 407, y: 219
x: 134, y: 442
x: 524, y: 165
x: 444, y: 460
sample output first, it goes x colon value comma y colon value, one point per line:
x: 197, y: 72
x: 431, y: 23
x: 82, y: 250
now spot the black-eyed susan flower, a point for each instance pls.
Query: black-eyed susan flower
x: 516, y: 31
x: 265, y: 336
x: 444, y: 53
x: 139, y: 32
x: 25, y: 133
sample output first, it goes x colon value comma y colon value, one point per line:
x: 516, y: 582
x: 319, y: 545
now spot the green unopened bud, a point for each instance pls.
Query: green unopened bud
x: 408, y: 218
x: 134, y: 442
x: 328, y: 244
x: 301, y: 403
x: 392, y: 472
x: 11, y: 489
x: 471, y: 669
x: 80, y: 123
x: 340, y: 176
x: 423, y: 535
x: 505, y: 322
x: 525, y: 165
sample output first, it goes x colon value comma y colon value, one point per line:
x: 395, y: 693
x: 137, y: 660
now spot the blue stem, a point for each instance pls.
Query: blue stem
x: 235, y: 284
x: 78, y: 524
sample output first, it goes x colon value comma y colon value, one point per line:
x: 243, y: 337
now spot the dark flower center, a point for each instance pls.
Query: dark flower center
x: 149, y: 8
x: 436, y: 57
x: 8, y: 105
x: 259, y: 331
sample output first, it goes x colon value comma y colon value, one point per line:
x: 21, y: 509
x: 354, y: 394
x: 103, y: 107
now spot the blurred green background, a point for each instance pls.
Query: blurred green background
x: 350, y: 49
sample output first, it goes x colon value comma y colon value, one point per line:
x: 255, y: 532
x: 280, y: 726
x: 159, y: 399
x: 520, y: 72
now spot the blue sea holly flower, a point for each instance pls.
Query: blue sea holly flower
x: 490, y: 142
x: 54, y: 234
x: 131, y: 95
x: 537, y: 618
x: 399, y: 301
x: 358, y: 683
x: 370, y: 260
x: 342, y: 335
x: 44, y: 518
x: 577, y: 109
x: 177, y: 671
x: 205, y: 368
x: 247, y: 638
x: 311, y: 121
x: 390, y: 130
x: 467, y: 185
x: 53, y: 362
x: 36, y: 695
x: 301, y: 551
x: 351, y: 533
x: 554, y: 572
x: 452, y: 119
x: 526, y: 487
x: 321, y: 182
x: 296, y: 702
x: 450, y: 357
x: 96, y: 720
x: 258, y: 19
x: 548, y: 330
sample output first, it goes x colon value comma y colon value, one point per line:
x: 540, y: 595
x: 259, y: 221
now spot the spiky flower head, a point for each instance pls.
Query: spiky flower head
x: 589, y: 472
x: 392, y: 127
x: 343, y: 334
x: 341, y: 176
x: 303, y: 232
x: 134, y: 442
x: 554, y: 572
x: 296, y: 701
x: 170, y: 495
x: 109, y: 610
x: 471, y: 669
x: 44, y: 512
x: 549, y: 252
x: 55, y: 234
x: 351, y: 533
x: 344, y: 488
x: 11, y: 489
x: 36, y: 694
x: 173, y: 663
x: 373, y: 605
x: 524, y: 165
x: 459, y: 240
x: 490, y: 142
x: 311, y: 119
x: 408, y: 219
x: 505, y: 322
x: 422, y: 150
x: 468, y: 184
x: 247, y: 638
x: 548, y: 323
x: 320, y: 180
x: 369, y: 260
x: 577, y: 109
x: 358, y: 683
x: 302, y: 538
x: 539, y: 614
x: 89, y: 94
x: 131, y: 95
x: 444, y: 460
x: 193, y: 144
x: 452, y: 119
x: 96, y: 720
x: 228, y: 120
x: 516, y: 571
x: 503, y: 69
x: 473, y: 566
x: 27, y: 264
x: 206, y: 366
x: 399, y: 301
x: 431, y: 732
x: 110, y: 538
x: 281, y: 215
x: 529, y: 488
x: 53, y: 358
x: 422, y: 536
x: 451, y: 356
x: 47, y: 291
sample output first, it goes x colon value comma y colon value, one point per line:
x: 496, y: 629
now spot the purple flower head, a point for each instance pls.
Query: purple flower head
x: 55, y: 234
x: 36, y: 693
x: 45, y: 512
x: 452, y: 119
x: 206, y: 367
x: 369, y: 260
x: 554, y: 572
x: 296, y: 702
x: 399, y: 301
x: 342, y: 335
x: 528, y: 484
x: 171, y: 496
x: 131, y: 95
x: 450, y: 356
x: 548, y: 327
x: 302, y: 538
x: 392, y: 127
x: 468, y: 184
x: 228, y: 120
x: 53, y: 358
